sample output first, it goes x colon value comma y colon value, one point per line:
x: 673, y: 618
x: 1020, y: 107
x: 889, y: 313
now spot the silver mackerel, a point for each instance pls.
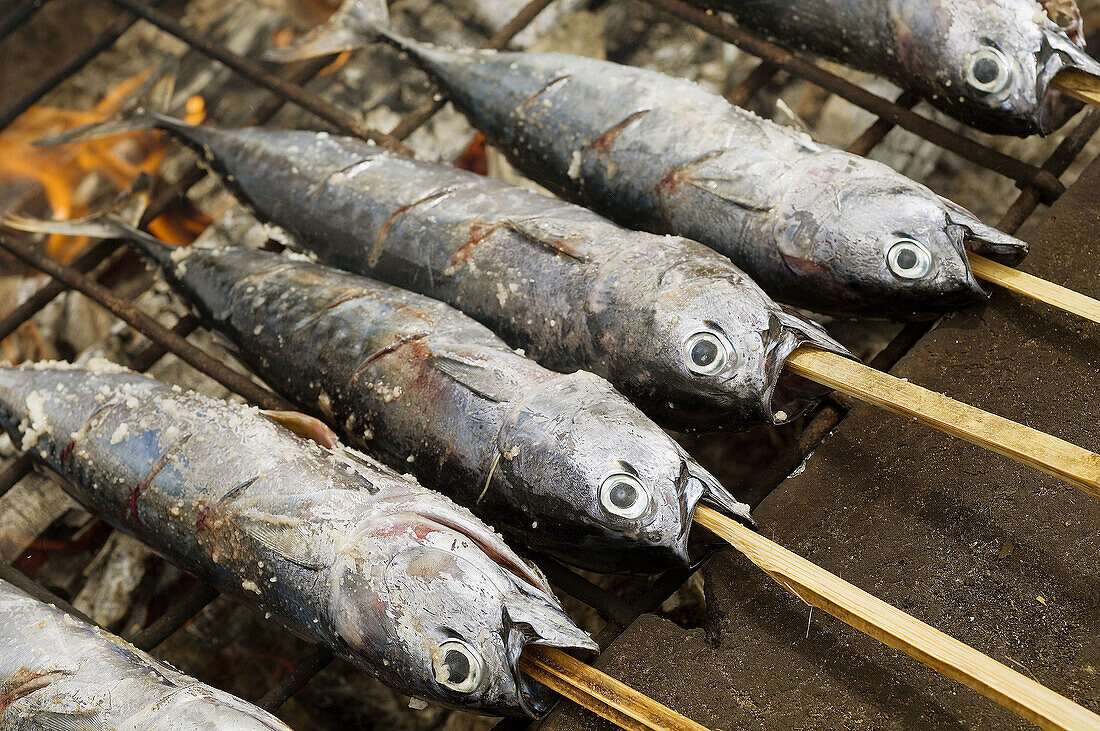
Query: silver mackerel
x: 346, y: 553
x: 59, y: 672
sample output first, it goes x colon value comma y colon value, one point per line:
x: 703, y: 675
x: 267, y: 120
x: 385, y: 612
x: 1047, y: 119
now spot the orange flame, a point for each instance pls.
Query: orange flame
x: 120, y: 159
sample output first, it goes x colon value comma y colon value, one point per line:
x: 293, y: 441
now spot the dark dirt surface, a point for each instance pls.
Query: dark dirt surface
x: 996, y: 554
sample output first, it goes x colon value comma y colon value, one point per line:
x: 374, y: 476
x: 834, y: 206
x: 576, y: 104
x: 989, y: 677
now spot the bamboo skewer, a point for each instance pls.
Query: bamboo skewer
x: 600, y: 693
x: 891, y: 626
x: 1077, y: 466
x: 1036, y: 288
x: 1079, y: 85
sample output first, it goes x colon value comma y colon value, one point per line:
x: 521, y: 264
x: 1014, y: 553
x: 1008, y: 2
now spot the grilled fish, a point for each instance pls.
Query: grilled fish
x: 398, y: 580
x: 814, y: 226
x: 675, y: 326
x: 561, y: 463
x: 989, y: 63
x: 58, y: 672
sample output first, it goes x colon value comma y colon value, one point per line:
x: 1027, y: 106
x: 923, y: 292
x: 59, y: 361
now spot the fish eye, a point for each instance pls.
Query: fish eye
x: 708, y: 353
x: 624, y: 495
x: 988, y: 71
x: 909, y: 259
x: 458, y: 666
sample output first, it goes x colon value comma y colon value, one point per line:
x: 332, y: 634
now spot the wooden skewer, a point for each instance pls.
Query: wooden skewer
x: 888, y: 624
x: 1079, y: 85
x: 1036, y: 288
x: 600, y: 693
x: 1075, y: 465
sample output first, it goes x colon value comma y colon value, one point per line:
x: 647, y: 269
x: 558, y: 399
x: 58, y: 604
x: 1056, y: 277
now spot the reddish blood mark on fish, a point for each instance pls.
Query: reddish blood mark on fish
x: 391, y: 348
x: 668, y: 184
x: 479, y: 232
x: 22, y: 682
x: 131, y: 500
x: 68, y: 450
x: 413, y: 525
x: 202, y: 523
x: 607, y: 139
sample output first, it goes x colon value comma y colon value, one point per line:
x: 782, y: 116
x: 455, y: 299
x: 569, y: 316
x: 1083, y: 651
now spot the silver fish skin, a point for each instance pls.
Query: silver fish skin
x: 989, y: 63
x: 58, y: 672
x: 814, y: 226
x: 561, y: 463
x: 397, y: 579
x: 569, y: 287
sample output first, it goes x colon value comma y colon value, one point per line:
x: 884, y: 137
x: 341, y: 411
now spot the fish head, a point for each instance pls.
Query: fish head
x: 450, y: 607
x: 612, y: 492
x: 993, y: 64
x: 707, y: 346
x: 868, y: 241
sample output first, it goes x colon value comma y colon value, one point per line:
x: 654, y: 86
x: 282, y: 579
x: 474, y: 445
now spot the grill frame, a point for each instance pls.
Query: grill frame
x: 1038, y: 184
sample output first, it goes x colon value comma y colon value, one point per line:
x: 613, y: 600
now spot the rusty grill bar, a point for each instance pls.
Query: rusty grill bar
x: 1038, y: 184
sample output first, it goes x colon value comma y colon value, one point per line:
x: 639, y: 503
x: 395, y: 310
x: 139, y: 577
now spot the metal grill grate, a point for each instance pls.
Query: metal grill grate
x: 1038, y: 185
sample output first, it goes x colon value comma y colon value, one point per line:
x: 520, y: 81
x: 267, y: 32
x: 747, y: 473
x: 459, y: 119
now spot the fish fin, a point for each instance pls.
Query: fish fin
x: 119, y: 220
x: 67, y: 721
x: 364, y: 466
x: 737, y: 192
x: 305, y: 426
x: 711, y: 174
x: 800, y: 264
x: 356, y: 24
x: 483, y: 380
x: 289, y: 538
x: 226, y: 342
x: 146, y: 110
x: 237, y: 489
x: 543, y: 233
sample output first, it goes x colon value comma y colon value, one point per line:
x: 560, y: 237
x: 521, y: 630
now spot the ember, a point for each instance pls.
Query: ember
x: 62, y: 173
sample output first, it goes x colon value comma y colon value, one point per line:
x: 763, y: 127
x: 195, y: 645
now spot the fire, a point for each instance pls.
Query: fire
x: 62, y: 171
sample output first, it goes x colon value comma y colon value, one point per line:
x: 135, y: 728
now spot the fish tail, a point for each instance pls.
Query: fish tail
x: 356, y: 24
x: 118, y: 221
x: 145, y: 110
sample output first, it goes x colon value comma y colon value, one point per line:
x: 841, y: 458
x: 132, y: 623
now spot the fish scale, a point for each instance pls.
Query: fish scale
x: 339, y: 549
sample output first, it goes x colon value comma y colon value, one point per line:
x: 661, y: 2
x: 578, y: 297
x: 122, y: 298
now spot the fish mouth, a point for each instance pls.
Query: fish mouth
x: 984, y: 240
x: 712, y: 493
x: 992, y: 244
x: 1061, y: 59
x: 534, y: 625
x: 787, y: 395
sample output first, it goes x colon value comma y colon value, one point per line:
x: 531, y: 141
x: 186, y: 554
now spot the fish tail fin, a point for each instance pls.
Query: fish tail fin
x: 118, y: 221
x: 356, y: 24
x: 144, y: 110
